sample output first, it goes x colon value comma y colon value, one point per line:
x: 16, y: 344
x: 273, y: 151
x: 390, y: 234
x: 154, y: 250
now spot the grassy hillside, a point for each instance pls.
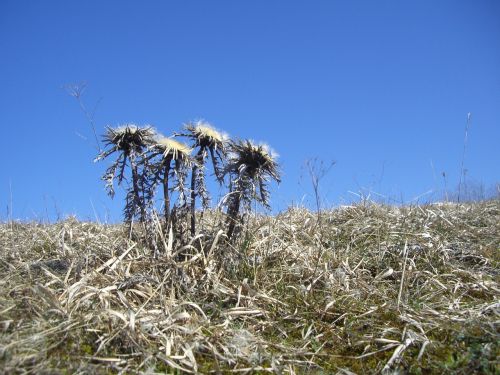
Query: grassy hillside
x: 359, y: 289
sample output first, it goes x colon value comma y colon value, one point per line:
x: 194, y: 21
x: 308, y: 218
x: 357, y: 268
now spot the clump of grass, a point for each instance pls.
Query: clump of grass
x: 250, y: 168
x: 411, y: 289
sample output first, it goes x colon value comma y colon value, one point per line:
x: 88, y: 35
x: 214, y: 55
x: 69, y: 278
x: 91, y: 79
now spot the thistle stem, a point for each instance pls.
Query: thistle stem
x: 232, y: 212
x: 199, y: 159
x: 135, y: 185
x: 166, y: 197
x: 193, y: 202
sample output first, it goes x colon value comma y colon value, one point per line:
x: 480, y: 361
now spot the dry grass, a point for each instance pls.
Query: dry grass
x: 374, y: 289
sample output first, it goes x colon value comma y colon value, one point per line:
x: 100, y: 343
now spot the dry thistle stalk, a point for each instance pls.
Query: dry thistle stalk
x: 250, y: 168
x: 174, y: 160
x: 206, y: 140
x: 129, y: 141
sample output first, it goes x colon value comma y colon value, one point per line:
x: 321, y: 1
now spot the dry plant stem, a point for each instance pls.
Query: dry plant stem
x: 316, y: 173
x: 169, y: 160
x: 462, y: 169
x: 90, y: 118
x: 166, y: 193
x: 193, y: 201
x: 445, y: 186
x: 76, y: 91
x: 137, y: 190
x: 207, y: 140
x: 232, y: 213
x: 401, y: 284
x: 10, y: 205
x: 250, y: 168
x: 198, y: 159
x: 128, y: 142
x: 396, y: 356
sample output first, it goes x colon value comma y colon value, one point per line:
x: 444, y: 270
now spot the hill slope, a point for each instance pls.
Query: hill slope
x: 363, y: 289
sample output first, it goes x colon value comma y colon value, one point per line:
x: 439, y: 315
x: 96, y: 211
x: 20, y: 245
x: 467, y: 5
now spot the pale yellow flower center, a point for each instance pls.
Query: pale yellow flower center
x: 209, y: 132
x: 173, y: 146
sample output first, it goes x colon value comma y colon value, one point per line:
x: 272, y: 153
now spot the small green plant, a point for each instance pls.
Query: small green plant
x: 129, y: 142
x: 207, y: 141
x: 250, y: 168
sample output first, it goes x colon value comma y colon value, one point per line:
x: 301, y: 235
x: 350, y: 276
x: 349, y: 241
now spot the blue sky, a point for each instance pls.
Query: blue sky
x: 381, y: 87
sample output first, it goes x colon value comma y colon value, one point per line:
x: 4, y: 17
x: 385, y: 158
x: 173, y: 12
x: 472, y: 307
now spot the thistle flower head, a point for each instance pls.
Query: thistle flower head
x: 129, y: 137
x: 173, y: 149
x: 207, y: 136
x: 254, y: 160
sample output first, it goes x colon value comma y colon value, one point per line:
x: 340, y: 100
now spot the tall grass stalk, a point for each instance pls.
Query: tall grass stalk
x: 317, y: 171
x: 462, y: 163
x: 76, y: 91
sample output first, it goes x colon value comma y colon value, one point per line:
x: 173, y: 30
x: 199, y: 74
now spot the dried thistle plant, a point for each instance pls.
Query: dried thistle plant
x: 251, y: 167
x: 170, y: 169
x: 207, y: 141
x: 129, y: 142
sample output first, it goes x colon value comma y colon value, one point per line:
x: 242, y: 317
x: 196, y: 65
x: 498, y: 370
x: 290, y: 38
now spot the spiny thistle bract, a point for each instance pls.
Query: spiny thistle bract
x: 174, y: 160
x: 129, y: 141
x: 250, y: 167
x: 206, y: 140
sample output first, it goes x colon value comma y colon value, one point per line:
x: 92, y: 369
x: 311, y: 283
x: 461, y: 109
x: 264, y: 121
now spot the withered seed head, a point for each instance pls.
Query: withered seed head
x: 172, y: 148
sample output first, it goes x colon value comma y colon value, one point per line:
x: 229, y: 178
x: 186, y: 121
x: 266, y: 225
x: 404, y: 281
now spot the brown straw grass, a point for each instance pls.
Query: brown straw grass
x: 409, y: 289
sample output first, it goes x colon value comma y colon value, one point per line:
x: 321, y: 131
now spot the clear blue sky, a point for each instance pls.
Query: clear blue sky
x: 382, y: 87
